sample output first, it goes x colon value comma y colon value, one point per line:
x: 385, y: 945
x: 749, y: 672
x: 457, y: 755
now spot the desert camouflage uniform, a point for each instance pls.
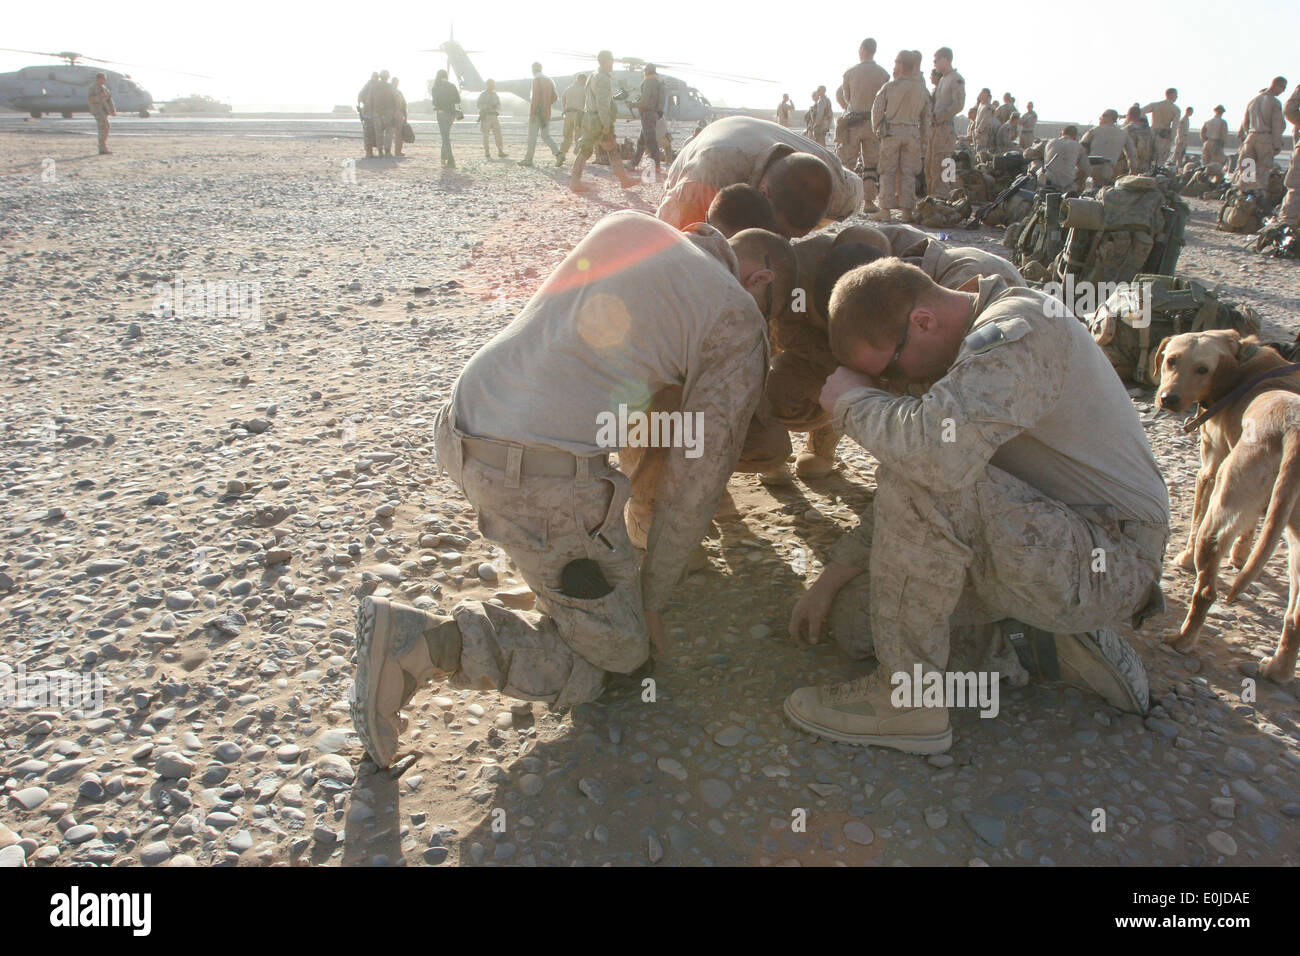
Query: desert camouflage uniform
x: 600, y: 111
x: 100, y: 101
x: 1143, y: 147
x: 901, y: 117
x: 1180, y: 142
x: 1111, y: 142
x: 1290, y: 209
x: 820, y: 113
x: 985, y: 129
x: 367, y: 118
x: 1164, y: 119
x: 949, y: 100
x: 489, y: 120
x: 1261, y: 135
x: 383, y: 104
x: 1003, y: 111
x: 853, y: 134
x: 571, y: 103
x: 1028, y: 120
x: 1214, y: 134
x: 739, y: 149
x: 635, y: 267
x: 1065, y: 164
x: 958, y: 538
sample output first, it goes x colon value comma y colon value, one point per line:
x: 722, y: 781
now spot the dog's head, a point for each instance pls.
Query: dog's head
x: 1195, y: 367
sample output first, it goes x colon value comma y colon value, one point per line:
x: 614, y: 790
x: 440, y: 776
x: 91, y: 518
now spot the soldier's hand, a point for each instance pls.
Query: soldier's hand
x: 659, y: 641
x: 808, y: 620
x: 840, y: 381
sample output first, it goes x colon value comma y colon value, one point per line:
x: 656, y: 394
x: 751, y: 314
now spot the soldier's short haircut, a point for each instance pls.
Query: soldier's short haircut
x: 1278, y: 80
x: 604, y: 55
x: 841, y: 259
x: 863, y: 233
x: 100, y: 76
x: 1071, y: 131
x: 868, y: 46
x: 799, y: 186
x: 872, y: 303
x: 537, y: 67
x: 738, y: 207
x: 762, y: 245
x: 944, y: 53
x: 580, y: 78
x: 1172, y: 91
x: 1112, y: 115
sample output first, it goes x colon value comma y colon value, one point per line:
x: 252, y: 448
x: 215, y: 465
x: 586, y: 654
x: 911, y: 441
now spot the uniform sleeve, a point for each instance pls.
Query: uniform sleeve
x: 725, y: 394
x: 686, y: 203
x: 878, y: 109
x: 1279, y: 126
x: 945, y: 439
x: 1292, y: 111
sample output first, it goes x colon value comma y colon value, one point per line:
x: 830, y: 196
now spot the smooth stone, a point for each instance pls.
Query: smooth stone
x: 716, y: 793
x: 29, y: 798
x: 991, y: 830
x: 1222, y: 843
x: 855, y: 831
x: 81, y: 833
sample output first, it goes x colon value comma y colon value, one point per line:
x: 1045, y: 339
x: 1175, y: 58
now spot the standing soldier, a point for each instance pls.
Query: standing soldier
x: 1261, y: 136
x: 901, y: 118
x: 784, y: 109
x: 949, y: 98
x: 1028, y: 120
x: 1110, y: 142
x: 489, y: 113
x: 100, y: 101
x: 1008, y: 107
x: 854, y: 135
x: 1180, y: 137
x: 540, y: 100
x: 600, y: 111
x: 823, y: 115
x: 986, y: 121
x: 651, y: 106
x: 689, y: 315
x: 1143, y: 143
x: 383, y: 103
x: 399, y: 118
x: 446, y: 103
x: 572, y: 102
x: 367, y: 115
x: 1214, y: 134
x: 1164, y: 120
x: 1289, y: 212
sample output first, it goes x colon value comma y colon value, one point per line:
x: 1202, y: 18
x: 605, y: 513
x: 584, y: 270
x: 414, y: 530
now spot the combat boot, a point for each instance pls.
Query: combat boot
x: 1098, y: 661
x: 559, y: 159
x: 861, y: 712
x: 776, y: 477
x: 398, y: 648
x: 818, y: 459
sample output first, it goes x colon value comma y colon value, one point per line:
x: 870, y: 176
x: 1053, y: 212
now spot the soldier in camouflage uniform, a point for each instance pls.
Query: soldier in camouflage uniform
x: 572, y: 102
x: 1261, y: 131
x: 367, y: 119
x: 100, y: 101
x: 637, y: 309
x: 1214, y: 133
x: 949, y: 98
x: 598, y: 126
x: 1021, y: 487
x: 1164, y: 123
x: 901, y: 118
x: 1289, y: 212
x: 856, y: 139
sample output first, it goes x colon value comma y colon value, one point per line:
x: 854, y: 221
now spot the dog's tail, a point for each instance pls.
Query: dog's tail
x: 1286, y: 492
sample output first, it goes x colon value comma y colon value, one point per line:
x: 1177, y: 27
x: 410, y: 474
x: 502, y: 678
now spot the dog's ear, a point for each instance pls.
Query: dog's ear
x: 1156, y: 363
x: 1226, y: 374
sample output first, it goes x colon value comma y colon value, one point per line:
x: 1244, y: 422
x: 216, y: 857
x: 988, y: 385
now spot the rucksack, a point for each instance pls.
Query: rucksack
x: 1010, y: 205
x: 935, y: 212
x: 1278, y: 239
x: 1240, y: 212
x: 1139, y: 315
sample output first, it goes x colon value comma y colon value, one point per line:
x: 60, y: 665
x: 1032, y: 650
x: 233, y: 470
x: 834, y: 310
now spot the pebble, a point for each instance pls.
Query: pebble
x: 81, y: 833
x: 716, y: 793
x: 992, y: 830
x: 729, y: 737
x: 29, y: 798
x: 334, y: 767
x: 1222, y: 843
x: 671, y: 767
x: 174, y: 766
x: 855, y: 831
x: 594, y: 790
x: 12, y: 857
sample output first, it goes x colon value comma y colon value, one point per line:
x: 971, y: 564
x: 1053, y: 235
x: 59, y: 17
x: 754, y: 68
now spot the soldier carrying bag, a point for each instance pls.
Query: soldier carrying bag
x: 408, y: 134
x: 1139, y: 315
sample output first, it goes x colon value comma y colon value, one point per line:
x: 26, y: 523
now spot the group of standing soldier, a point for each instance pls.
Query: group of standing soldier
x: 383, y: 115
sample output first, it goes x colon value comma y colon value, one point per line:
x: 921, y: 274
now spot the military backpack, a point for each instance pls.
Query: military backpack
x: 1139, y: 315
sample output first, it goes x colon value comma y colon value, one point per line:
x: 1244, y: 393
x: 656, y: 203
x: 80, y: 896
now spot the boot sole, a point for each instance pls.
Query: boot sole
x: 907, y: 743
x: 369, y: 658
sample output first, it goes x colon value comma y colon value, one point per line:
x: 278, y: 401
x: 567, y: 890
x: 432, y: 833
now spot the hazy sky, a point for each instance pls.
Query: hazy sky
x: 1073, y: 60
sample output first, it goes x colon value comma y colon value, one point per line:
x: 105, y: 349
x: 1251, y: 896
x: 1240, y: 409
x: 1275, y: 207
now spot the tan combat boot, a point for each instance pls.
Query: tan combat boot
x: 860, y: 712
x: 776, y: 477
x: 398, y: 648
x: 818, y: 459
x: 1098, y: 661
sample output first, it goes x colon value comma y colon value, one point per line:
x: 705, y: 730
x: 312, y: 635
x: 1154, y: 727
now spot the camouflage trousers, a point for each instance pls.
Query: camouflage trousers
x: 101, y: 122
x: 384, y: 128
x: 900, y: 161
x: 562, y: 654
x: 942, y: 142
x: 572, y: 132
x: 1290, y: 208
x: 1026, y: 139
x: 945, y: 566
x: 1254, y: 163
x: 1163, y: 146
x: 860, y: 140
x: 491, y: 125
x: 1212, y: 152
x: 1103, y: 174
x: 794, y: 387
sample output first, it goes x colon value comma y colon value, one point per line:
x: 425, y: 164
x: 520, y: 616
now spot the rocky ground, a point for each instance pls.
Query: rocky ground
x: 190, y: 507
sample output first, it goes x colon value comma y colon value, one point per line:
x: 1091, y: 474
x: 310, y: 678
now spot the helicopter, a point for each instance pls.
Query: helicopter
x: 62, y: 88
x: 685, y: 102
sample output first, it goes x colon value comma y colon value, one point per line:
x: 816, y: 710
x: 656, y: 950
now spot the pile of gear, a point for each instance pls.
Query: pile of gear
x: 1278, y: 239
x: 1245, y: 210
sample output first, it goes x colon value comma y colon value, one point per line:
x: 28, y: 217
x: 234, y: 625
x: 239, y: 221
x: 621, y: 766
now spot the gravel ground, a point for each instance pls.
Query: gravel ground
x: 190, y: 507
